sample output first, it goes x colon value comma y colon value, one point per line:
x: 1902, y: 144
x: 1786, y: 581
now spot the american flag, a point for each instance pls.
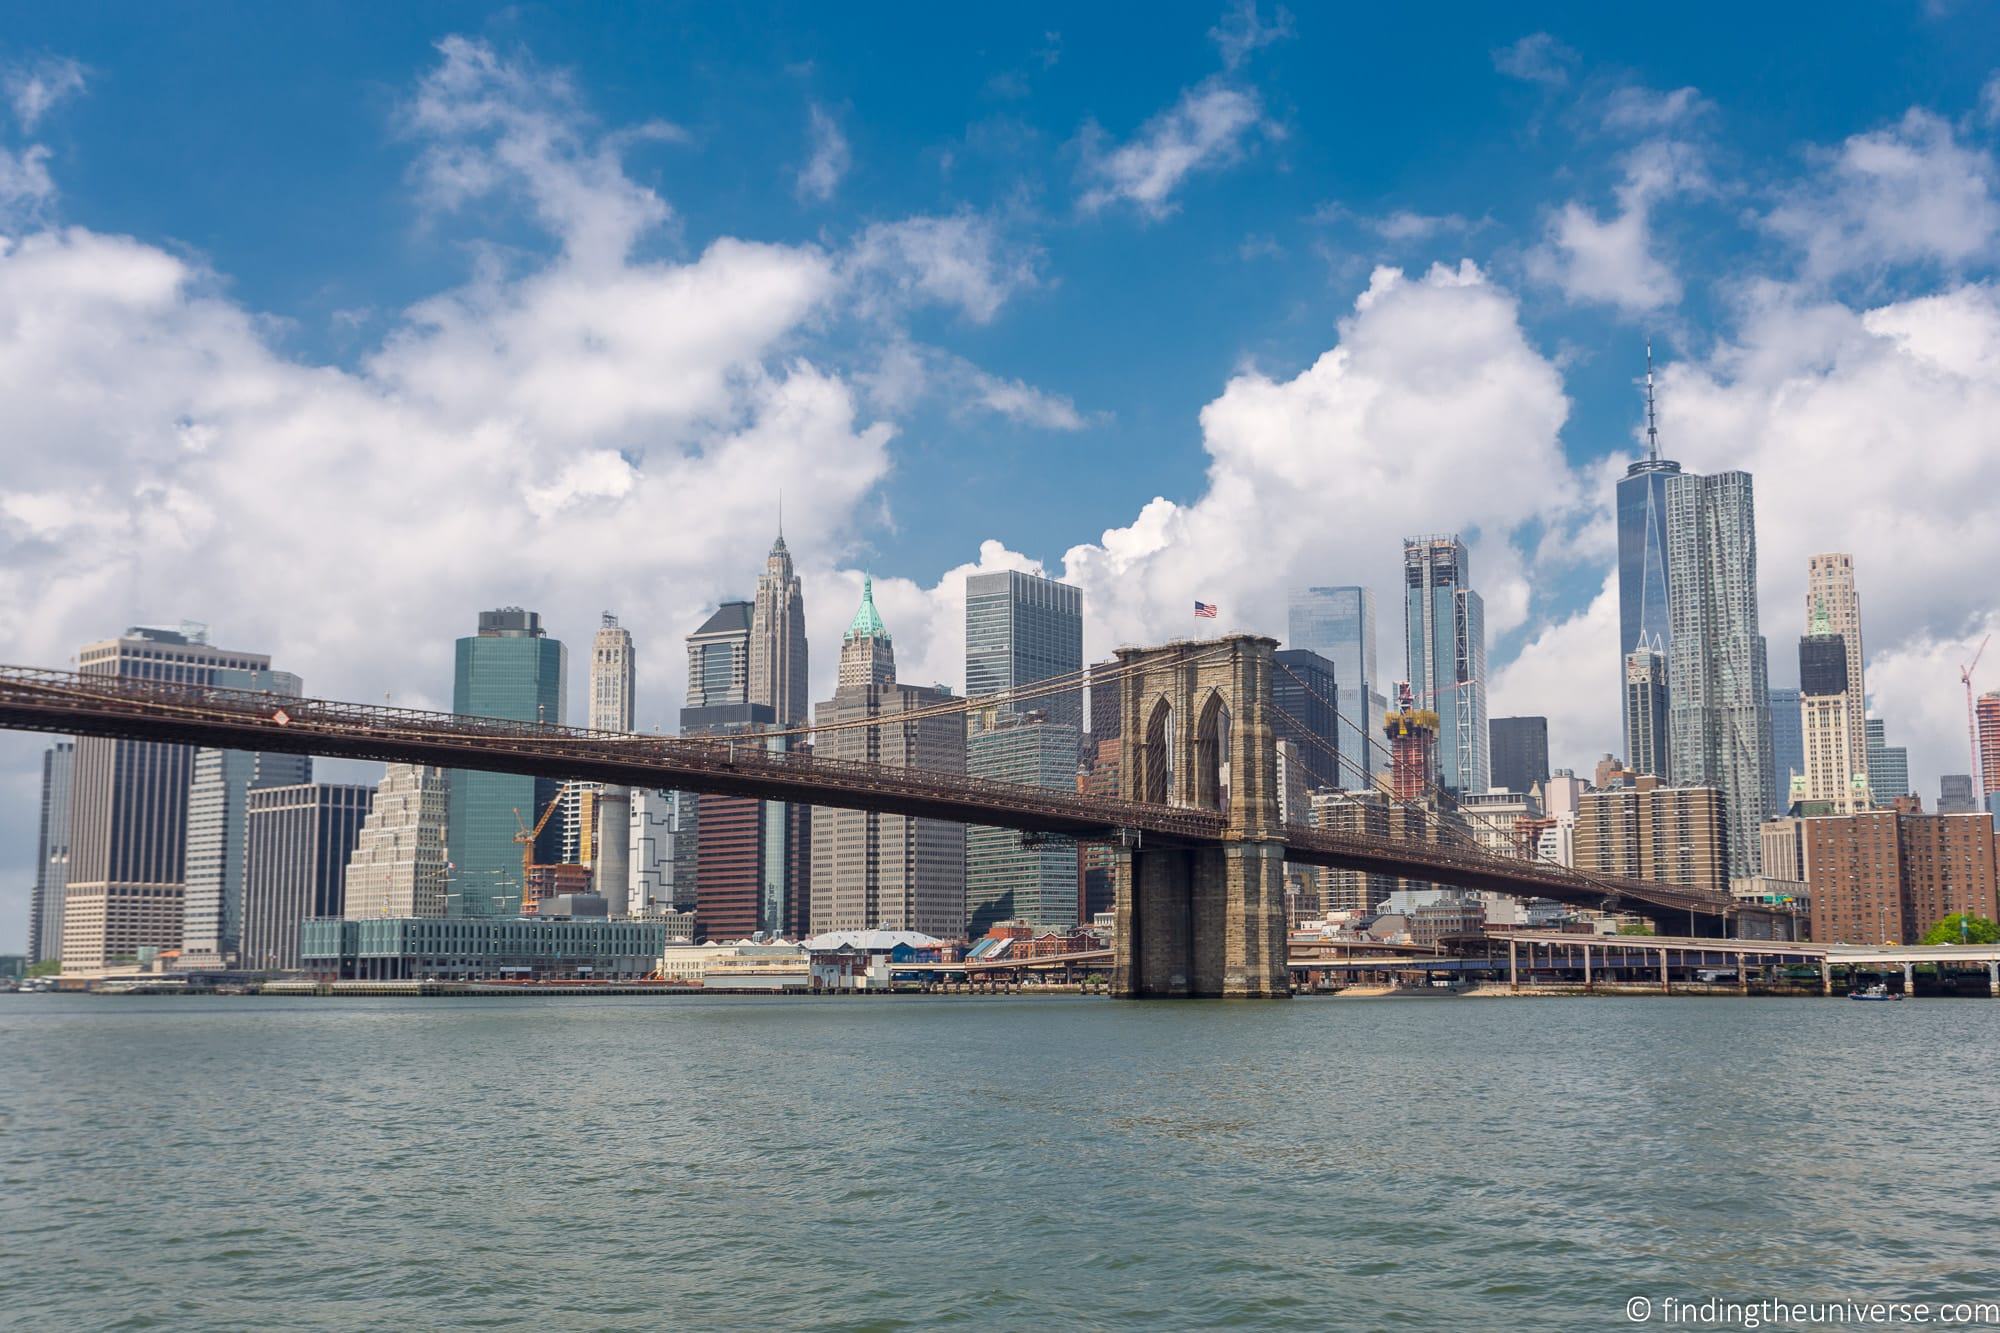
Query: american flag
x: 1204, y: 610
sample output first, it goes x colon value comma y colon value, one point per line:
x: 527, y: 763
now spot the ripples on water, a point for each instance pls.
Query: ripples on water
x: 745, y: 1163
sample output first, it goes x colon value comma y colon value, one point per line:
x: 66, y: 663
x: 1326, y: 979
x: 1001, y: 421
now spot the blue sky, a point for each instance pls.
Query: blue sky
x: 329, y: 331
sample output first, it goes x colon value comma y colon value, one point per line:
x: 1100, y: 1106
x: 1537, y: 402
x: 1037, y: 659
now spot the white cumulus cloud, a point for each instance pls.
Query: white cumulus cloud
x: 1204, y: 131
x: 1431, y: 413
x: 1614, y: 259
x: 1910, y: 193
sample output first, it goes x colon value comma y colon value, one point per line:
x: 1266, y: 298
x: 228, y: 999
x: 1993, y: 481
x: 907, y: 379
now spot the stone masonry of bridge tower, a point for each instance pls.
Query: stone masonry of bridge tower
x: 1207, y: 921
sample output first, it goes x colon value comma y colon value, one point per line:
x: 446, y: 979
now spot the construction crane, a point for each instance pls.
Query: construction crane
x: 527, y: 837
x: 1972, y: 722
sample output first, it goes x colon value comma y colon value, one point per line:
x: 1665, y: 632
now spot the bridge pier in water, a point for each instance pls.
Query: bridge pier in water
x: 1208, y: 921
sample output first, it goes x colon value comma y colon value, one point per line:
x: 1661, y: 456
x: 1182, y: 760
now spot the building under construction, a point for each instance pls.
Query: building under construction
x: 1412, y: 735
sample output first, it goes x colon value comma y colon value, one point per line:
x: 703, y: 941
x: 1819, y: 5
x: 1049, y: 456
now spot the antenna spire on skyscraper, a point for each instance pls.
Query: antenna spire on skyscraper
x: 1652, y: 423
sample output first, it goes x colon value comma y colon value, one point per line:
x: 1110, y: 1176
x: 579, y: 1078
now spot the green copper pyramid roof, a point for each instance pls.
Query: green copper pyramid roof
x: 867, y: 621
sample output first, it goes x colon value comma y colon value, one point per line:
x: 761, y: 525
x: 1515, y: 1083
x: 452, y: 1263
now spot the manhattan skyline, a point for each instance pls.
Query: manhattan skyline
x: 558, y: 339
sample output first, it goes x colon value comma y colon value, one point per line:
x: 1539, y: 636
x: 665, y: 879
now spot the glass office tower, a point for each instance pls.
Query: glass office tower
x: 1788, y: 746
x: 1444, y: 623
x: 1339, y: 624
x: 1645, y: 620
x: 510, y: 669
x: 1718, y: 686
x: 1021, y: 628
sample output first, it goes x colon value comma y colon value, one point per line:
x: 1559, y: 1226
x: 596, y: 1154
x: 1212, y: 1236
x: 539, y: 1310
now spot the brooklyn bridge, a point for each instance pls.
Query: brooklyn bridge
x: 1198, y: 845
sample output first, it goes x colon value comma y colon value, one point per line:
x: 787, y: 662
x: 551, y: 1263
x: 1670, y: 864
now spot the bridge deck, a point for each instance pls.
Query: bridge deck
x: 99, y: 705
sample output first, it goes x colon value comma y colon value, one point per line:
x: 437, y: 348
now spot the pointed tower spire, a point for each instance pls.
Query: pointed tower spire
x: 1652, y: 423
x: 867, y: 621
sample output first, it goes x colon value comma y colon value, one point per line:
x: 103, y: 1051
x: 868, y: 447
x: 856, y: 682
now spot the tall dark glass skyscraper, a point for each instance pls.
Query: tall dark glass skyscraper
x: 1339, y: 625
x: 1308, y: 697
x: 1520, y: 752
x: 510, y: 669
x: 1643, y: 617
x: 1788, y: 746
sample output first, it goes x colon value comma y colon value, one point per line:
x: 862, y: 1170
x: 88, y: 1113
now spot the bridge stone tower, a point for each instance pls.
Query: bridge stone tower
x: 1202, y: 921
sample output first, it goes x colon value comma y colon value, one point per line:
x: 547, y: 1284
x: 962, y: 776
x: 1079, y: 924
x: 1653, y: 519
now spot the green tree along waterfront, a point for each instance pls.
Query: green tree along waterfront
x: 1963, y: 928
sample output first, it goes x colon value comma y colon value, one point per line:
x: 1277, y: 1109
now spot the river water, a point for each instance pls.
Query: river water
x: 984, y: 1162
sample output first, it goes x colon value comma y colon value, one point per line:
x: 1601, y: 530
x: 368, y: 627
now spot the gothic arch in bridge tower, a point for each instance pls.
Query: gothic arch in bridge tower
x: 1154, y: 762
x: 1211, y: 754
x: 1206, y: 920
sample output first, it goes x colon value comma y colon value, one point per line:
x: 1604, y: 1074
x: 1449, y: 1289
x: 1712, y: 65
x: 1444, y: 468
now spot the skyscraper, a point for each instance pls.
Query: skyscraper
x: 1955, y: 795
x: 1411, y: 733
x: 1005, y: 879
x: 719, y: 658
x: 613, y: 677
x: 871, y: 869
x: 1643, y: 617
x: 718, y: 698
x: 1307, y: 699
x: 656, y: 820
x: 1646, y: 720
x: 1788, y: 746
x: 218, y: 804
x: 1444, y: 623
x: 1834, y: 607
x: 510, y: 669
x: 1987, y: 711
x: 299, y: 840
x: 777, y: 660
x: 779, y: 677
x: 1022, y: 628
x: 398, y: 867
x: 1520, y: 752
x: 1717, y: 670
x: 747, y: 860
x: 1339, y: 624
x: 45, y: 909
x: 128, y: 807
x: 1836, y: 778
x: 217, y: 846
x: 1888, y: 765
x: 613, y: 693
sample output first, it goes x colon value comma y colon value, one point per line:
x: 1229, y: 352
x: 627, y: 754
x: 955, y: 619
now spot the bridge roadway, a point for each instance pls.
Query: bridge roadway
x: 67, y: 703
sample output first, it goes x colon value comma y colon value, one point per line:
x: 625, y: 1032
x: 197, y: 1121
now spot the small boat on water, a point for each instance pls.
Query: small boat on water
x: 1878, y: 991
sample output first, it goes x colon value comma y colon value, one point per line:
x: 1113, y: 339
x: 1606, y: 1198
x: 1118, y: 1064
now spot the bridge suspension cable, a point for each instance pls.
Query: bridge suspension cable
x: 1362, y: 772
x: 1436, y: 818
x: 1066, y: 683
